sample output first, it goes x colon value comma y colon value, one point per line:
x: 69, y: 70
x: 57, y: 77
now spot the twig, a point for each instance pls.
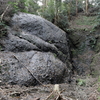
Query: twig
x: 57, y: 91
x: 49, y: 95
x: 62, y: 91
x: 4, y: 12
x: 29, y: 71
x: 58, y: 97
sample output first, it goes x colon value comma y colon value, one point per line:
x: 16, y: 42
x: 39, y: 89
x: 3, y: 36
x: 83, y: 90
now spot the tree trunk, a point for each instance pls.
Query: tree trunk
x: 57, y: 10
x: 86, y: 11
x: 76, y: 7
x: 44, y: 3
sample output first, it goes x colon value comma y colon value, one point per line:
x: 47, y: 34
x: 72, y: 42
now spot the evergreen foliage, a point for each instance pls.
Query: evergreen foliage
x: 27, y: 6
x: 3, y: 29
x: 57, y: 11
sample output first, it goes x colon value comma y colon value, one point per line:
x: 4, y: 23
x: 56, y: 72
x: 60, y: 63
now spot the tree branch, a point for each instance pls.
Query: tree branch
x: 4, y: 12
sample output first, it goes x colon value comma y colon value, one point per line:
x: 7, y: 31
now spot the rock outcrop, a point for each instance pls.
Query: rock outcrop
x: 34, y: 49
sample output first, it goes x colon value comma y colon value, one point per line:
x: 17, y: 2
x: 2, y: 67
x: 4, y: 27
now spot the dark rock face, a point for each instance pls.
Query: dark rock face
x: 34, y: 49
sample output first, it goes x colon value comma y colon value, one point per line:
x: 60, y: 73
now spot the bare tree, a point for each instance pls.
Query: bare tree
x: 76, y: 7
x: 44, y: 3
x: 86, y: 10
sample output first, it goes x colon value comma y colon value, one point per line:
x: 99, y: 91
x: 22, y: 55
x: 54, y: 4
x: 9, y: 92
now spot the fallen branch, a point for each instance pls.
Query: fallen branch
x: 49, y: 95
x: 55, y: 91
x: 36, y: 99
x: 58, y: 97
x: 29, y: 72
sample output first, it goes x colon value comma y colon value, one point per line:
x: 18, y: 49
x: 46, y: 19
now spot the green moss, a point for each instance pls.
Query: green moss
x: 98, y: 89
x: 92, y: 30
x: 99, y: 79
x: 50, y: 41
x: 99, y: 98
x: 81, y: 82
x: 55, y: 55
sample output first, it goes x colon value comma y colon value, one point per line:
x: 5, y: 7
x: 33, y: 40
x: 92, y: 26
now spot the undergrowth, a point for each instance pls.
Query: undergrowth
x: 87, y: 20
x: 3, y: 28
x: 84, y: 22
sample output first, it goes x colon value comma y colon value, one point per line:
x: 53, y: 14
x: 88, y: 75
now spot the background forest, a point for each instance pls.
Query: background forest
x: 59, y: 12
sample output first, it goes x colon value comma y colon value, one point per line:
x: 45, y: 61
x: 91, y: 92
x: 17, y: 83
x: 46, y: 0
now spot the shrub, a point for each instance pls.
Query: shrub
x: 81, y: 82
x: 3, y: 29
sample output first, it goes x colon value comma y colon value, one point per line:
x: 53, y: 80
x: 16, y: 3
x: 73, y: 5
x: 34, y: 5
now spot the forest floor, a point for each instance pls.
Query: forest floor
x: 88, y: 88
x: 85, y: 87
x: 83, y: 22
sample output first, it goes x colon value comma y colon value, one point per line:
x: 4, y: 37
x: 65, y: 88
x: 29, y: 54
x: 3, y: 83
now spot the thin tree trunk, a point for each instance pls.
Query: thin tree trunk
x: 86, y: 11
x: 76, y: 7
x: 44, y: 3
x: 58, y: 9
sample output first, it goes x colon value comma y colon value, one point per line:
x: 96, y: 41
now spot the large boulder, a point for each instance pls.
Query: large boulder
x: 33, y: 50
x: 25, y: 68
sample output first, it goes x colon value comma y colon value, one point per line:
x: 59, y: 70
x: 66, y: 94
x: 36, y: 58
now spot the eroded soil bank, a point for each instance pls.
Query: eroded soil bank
x: 90, y: 90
